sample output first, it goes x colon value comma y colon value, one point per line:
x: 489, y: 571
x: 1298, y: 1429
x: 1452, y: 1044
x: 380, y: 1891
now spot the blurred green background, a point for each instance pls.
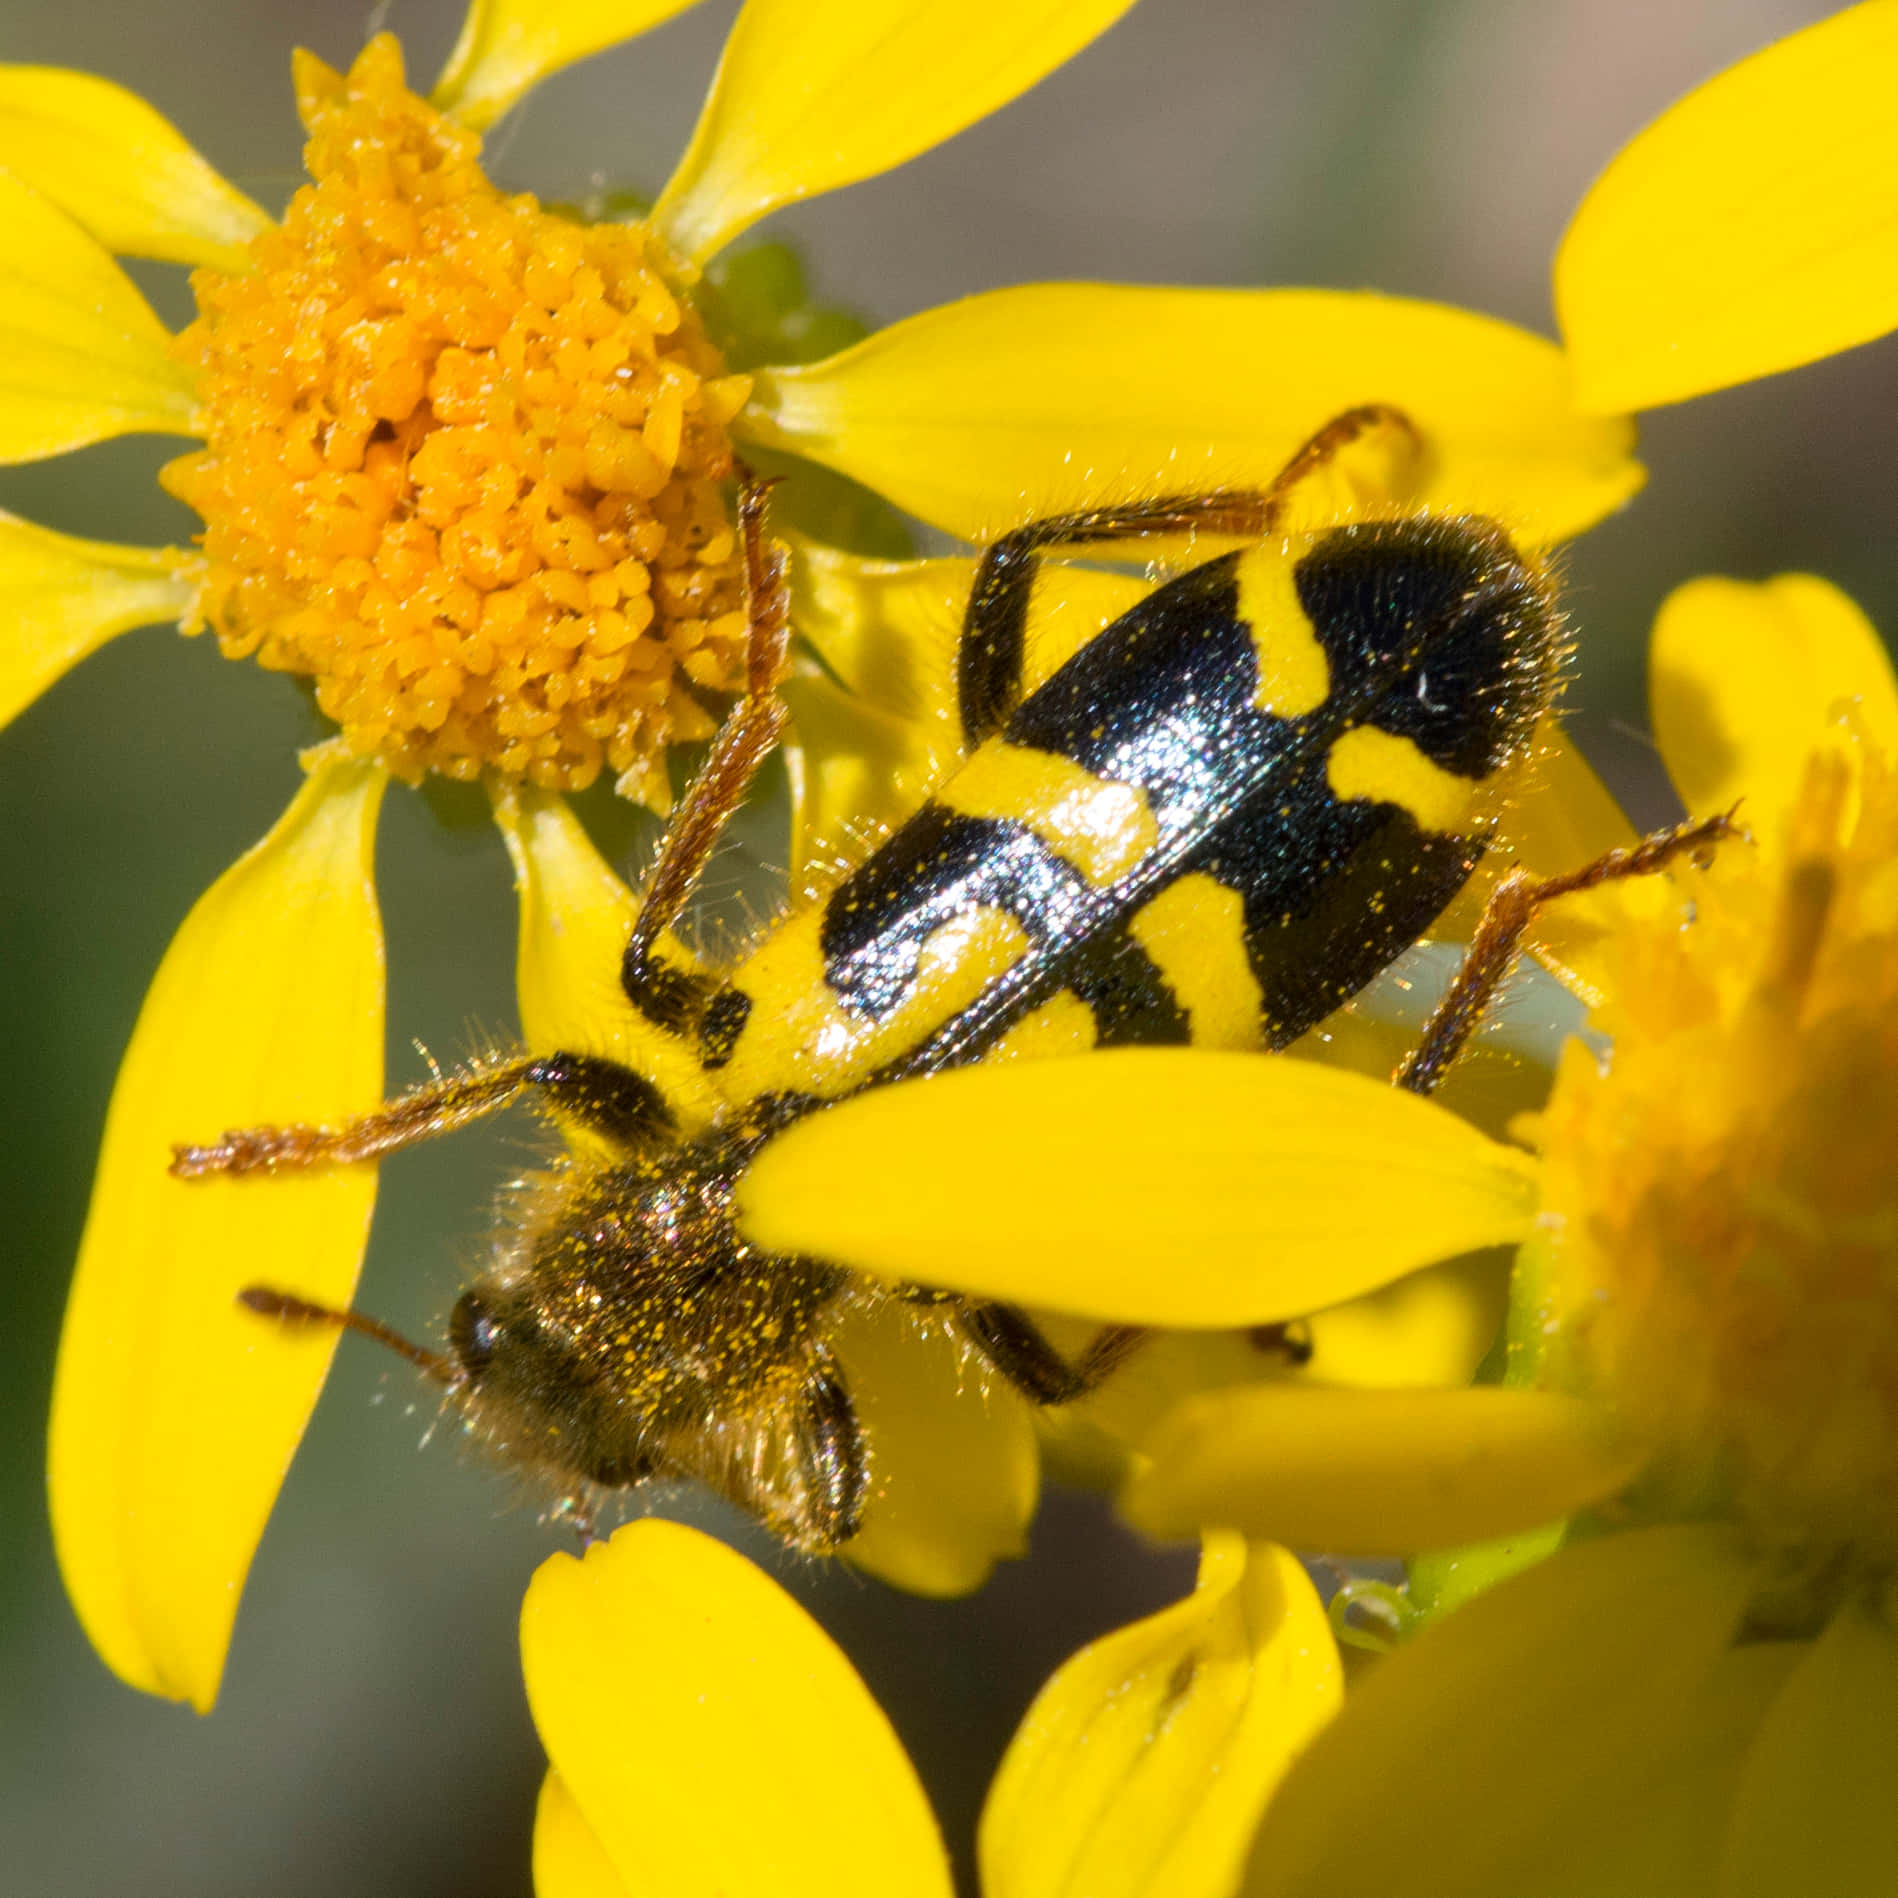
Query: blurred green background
x: 372, y: 1737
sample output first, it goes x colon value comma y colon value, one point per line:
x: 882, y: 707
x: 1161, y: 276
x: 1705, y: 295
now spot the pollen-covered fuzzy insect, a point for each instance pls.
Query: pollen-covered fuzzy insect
x: 1217, y: 821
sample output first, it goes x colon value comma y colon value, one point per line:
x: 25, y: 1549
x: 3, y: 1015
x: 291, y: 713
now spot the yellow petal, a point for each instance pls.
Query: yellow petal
x: 61, y: 599
x: 1069, y: 606
x: 507, y: 47
x: 1430, y: 1329
x: 886, y: 628
x: 1147, y: 1185
x: 1145, y: 1762
x: 865, y: 751
x: 1373, y: 1472
x: 575, y: 917
x: 1503, y: 1074
x: 1814, y: 1810
x: 1747, y: 681
x: 175, y: 1413
x: 1566, y: 818
x: 704, y: 1724
x: 954, y: 1470
x: 1748, y: 229
x: 1667, y: 1837
x: 569, y: 1860
x: 813, y: 94
x: 82, y: 357
x: 1560, y: 816
x: 1523, y: 1721
x: 856, y: 773
x: 120, y: 169
x: 1091, y: 1444
x: 1074, y: 393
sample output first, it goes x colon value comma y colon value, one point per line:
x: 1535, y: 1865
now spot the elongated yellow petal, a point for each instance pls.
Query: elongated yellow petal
x: 120, y: 169
x: 1521, y: 1722
x: 1092, y: 1443
x: 1566, y: 818
x: 1068, y: 394
x: 1814, y: 1811
x: 1748, y: 229
x: 82, y: 357
x: 1145, y: 1762
x: 1747, y: 680
x: 575, y: 917
x: 175, y: 1413
x: 954, y: 1472
x: 886, y: 628
x: 813, y: 94
x: 61, y: 599
x: 1361, y: 1472
x: 855, y: 773
x: 569, y: 1860
x: 863, y: 753
x: 704, y: 1725
x: 1149, y: 1186
x: 1559, y: 817
x: 1432, y: 1328
x: 1429, y: 1329
x: 1667, y: 1837
x: 1069, y: 606
x: 507, y: 47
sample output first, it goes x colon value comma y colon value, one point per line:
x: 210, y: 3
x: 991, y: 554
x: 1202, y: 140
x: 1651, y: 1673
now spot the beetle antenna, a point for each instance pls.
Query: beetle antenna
x: 267, y: 1303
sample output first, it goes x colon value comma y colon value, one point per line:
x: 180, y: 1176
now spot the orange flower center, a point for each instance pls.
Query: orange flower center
x: 1723, y: 1198
x: 463, y: 461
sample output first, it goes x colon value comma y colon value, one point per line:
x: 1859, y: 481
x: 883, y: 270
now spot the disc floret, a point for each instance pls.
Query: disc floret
x: 464, y: 461
x: 1722, y: 1197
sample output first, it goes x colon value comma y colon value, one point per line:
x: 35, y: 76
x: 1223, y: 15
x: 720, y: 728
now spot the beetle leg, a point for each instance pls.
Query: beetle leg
x: 990, y: 658
x: 1506, y: 917
x: 598, y: 1093
x: 1016, y: 1346
x: 745, y: 740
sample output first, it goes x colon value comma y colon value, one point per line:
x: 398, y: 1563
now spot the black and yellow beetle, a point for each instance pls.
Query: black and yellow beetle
x: 1217, y: 821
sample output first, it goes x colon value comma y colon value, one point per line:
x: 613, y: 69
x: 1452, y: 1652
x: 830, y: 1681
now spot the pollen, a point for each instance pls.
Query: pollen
x: 1723, y: 1194
x: 464, y: 461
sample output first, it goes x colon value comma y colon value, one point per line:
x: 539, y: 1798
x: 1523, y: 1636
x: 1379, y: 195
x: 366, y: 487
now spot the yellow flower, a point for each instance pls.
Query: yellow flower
x: 1708, y: 1294
x: 460, y: 466
x: 1712, y: 1228
x: 707, y: 1736
x: 1706, y: 1332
